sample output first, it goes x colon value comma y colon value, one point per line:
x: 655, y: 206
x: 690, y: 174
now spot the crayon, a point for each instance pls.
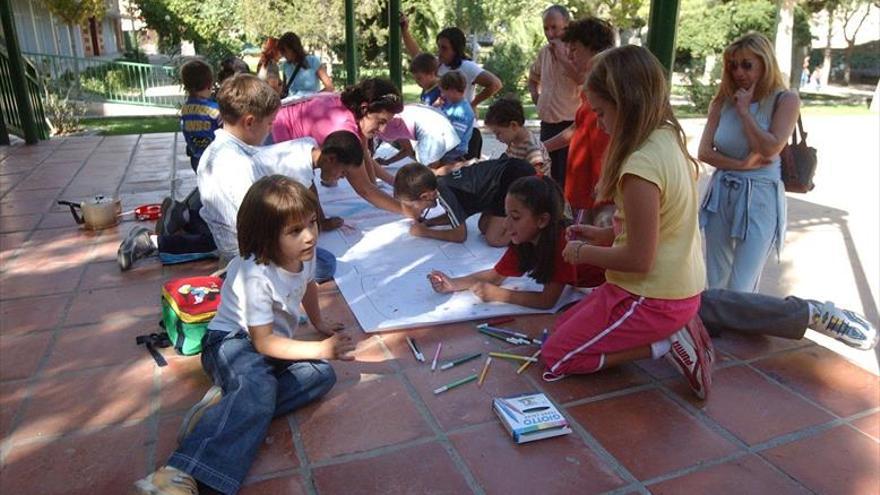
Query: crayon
x: 516, y: 357
x: 485, y: 370
x: 486, y: 326
x: 509, y: 340
x: 456, y: 362
x: 436, y: 355
x: 415, y: 350
x: 454, y: 384
x: 527, y: 363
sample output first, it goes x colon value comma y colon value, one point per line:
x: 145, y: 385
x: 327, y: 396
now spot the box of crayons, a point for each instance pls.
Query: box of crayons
x: 530, y: 417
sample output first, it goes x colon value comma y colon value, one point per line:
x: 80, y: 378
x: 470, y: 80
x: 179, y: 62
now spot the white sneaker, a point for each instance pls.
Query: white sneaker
x: 846, y: 326
x: 692, y: 354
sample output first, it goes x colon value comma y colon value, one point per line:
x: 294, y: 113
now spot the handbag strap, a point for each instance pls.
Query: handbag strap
x: 290, y: 81
x: 798, y: 127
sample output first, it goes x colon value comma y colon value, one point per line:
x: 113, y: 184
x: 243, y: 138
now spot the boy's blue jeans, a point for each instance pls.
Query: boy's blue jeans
x: 223, y: 444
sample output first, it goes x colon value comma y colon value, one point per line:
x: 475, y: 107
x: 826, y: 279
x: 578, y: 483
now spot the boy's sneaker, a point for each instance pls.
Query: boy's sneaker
x: 211, y: 398
x: 172, y: 219
x: 692, y: 354
x: 846, y: 326
x: 136, y: 245
x: 167, y: 481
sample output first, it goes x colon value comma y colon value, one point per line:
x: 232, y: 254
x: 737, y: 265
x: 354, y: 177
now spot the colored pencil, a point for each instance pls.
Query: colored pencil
x: 436, y: 355
x: 512, y: 333
x: 456, y: 362
x: 499, y: 320
x: 527, y: 363
x: 415, y: 350
x: 509, y: 340
x: 485, y: 370
x: 454, y: 384
x: 516, y: 357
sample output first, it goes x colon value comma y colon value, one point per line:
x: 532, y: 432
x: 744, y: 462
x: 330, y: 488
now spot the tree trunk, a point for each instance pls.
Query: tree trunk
x: 784, y: 37
x: 825, y: 73
x: 847, y: 67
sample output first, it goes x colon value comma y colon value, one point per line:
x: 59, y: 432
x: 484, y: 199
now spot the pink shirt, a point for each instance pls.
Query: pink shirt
x: 315, y: 117
x: 399, y: 128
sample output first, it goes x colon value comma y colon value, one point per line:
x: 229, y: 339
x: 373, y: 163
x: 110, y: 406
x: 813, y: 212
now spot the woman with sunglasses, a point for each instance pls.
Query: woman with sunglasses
x: 750, y: 120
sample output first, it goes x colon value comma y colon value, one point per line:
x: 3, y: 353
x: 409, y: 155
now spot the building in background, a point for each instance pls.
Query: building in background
x: 41, y: 32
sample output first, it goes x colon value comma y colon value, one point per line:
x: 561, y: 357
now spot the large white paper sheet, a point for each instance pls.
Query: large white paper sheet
x: 382, y: 270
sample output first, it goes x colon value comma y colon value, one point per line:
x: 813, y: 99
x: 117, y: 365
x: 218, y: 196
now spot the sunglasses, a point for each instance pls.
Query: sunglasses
x: 745, y: 64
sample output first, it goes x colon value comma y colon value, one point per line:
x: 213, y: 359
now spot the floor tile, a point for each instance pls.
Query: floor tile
x: 748, y: 474
x: 11, y: 395
x: 184, y: 382
x: 468, y: 404
x: 503, y: 467
x: 25, y: 206
x: 102, y: 344
x: 359, y: 417
x: 584, y: 386
x: 55, y: 220
x: 107, y: 274
x: 9, y: 245
x: 649, y: 434
x: 826, y: 378
x: 133, y: 303
x: 68, y: 402
x: 20, y: 355
x: 288, y: 485
x: 82, y: 464
x: 20, y: 316
x: 425, y: 468
x: 869, y: 425
x: 459, y: 339
x: 753, y: 408
x: 19, y: 223
x: 57, y: 281
x: 753, y: 346
x: 839, y: 460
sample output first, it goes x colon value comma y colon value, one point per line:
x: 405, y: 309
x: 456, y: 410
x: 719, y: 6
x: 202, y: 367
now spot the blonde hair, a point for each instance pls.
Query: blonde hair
x: 634, y: 82
x: 758, y: 45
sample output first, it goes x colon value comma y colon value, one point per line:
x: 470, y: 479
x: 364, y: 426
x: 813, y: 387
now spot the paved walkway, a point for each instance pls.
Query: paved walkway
x: 83, y: 410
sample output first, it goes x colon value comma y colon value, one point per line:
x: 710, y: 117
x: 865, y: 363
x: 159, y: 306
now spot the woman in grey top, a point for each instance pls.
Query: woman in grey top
x: 750, y: 120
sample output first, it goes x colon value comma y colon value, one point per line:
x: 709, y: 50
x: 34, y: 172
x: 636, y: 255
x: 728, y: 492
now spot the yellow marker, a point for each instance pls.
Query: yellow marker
x: 516, y: 357
x: 527, y: 363
x: 484, y: 372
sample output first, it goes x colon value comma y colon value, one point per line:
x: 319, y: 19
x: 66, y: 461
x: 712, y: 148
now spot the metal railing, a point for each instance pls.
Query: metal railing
x: 9, y: 107
x: 113, y: 81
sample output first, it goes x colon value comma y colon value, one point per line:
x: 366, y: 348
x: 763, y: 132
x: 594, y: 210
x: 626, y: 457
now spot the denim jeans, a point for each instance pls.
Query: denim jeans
x: 223, y: 444
x: 325, y: 265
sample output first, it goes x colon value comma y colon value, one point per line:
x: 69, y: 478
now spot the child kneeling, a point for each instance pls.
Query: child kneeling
x: 652, y: 255
x: 249, y: 349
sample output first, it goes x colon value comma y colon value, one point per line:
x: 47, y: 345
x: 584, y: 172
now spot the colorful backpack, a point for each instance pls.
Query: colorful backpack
x: 188, y: 304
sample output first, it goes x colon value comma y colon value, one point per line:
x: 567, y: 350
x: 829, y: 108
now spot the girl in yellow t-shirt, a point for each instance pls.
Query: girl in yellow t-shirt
x: 652, y: 255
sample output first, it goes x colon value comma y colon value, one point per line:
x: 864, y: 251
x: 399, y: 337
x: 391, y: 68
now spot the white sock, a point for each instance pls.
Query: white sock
x: 185, y: 216
x: 154, y: 240
x: 815, y: 313
x: 660, y: 348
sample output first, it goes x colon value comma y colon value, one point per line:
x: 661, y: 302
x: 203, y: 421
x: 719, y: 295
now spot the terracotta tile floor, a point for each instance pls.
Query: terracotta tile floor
x: 85, y: 411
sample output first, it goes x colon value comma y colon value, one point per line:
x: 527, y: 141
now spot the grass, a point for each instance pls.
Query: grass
x: 115, y: 126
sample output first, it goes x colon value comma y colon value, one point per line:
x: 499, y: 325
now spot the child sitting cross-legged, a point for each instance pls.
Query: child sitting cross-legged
x: 536, y: 226
x: 249, y: 350
x: 506, y: 119
x: 459, y: 112
x: 479, y: 188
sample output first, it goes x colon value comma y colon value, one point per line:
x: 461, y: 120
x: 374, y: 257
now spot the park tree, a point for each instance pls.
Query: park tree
x: 214, y: 26
x: 852, y: 15
x: 75, y: 13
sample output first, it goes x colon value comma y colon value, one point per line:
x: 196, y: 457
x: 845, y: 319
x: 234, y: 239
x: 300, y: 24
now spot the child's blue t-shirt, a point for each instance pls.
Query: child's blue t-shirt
x: 461, y: 115
x: 430, y: 96
x: 199, y: 118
